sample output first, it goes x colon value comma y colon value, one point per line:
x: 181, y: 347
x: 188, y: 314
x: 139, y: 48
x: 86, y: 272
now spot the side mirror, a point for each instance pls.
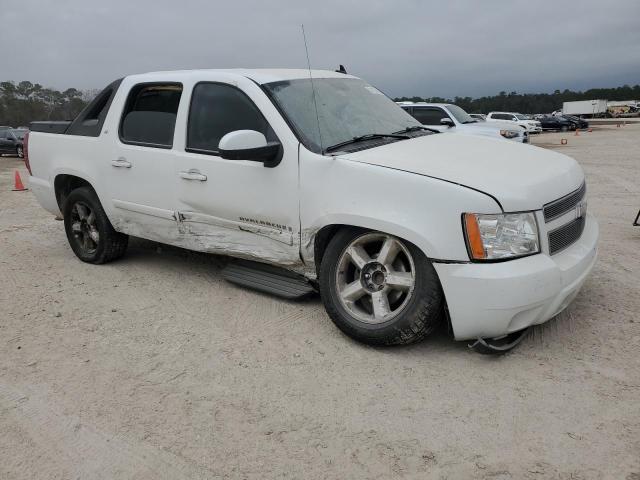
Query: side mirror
x: 250, y: 145
x: 447, y: 121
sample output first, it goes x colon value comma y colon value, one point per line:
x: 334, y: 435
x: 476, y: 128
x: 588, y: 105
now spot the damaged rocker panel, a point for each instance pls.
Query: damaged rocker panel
x: 282, y: 236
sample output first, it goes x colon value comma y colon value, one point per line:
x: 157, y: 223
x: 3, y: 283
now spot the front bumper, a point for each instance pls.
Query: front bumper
x: 493, y: 299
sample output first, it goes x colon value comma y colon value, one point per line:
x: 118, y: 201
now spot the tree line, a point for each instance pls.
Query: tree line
x: 24, y: 102
x: 532, y: 102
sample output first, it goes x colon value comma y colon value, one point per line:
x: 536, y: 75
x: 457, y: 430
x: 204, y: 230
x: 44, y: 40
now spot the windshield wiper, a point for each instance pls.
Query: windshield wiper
x: 470, y: 121
x: 362, y: 138
x: 415, y: 128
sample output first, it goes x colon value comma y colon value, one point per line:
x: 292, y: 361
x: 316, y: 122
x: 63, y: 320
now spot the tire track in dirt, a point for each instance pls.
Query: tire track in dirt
x: 86, y: 451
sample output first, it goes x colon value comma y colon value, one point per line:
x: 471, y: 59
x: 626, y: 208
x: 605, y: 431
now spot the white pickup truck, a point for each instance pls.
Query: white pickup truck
x: 335, y: 187
x: 446, y: 117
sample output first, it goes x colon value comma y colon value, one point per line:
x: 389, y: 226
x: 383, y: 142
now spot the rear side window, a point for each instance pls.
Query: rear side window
x: 217, y: 109
x: 149, y: 116
x: 89, y: 122
x: 429, y: 116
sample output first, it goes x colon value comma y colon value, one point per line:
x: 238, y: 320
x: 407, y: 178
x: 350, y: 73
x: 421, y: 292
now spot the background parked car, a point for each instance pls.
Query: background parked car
x: 11, y: 141
x: 576, y: 121
x: 556, y: 123
x: 481, y: 117
x: 532, y: 126
x: 446, y: 117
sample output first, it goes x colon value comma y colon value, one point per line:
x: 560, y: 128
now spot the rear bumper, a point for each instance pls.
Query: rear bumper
x: 490, y: 300
x: 45, y: 194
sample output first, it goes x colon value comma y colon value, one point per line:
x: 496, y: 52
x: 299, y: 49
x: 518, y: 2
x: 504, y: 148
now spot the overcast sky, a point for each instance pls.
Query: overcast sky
x: 425, y: 48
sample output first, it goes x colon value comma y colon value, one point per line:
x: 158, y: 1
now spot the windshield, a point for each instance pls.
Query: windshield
x: 460, y: 114
x: 19, y: 133
x: 347, y: 108
x: 520, y: 116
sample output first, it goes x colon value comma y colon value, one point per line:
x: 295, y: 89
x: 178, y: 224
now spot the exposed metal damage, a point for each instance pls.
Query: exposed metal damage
x: 194, y: 232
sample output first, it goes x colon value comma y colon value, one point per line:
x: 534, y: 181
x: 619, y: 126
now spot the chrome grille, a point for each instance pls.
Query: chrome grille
x: 561, y: 206
x: 563, y: 236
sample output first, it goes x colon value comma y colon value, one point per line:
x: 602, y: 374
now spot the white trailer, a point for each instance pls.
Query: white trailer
x: 593, y: 108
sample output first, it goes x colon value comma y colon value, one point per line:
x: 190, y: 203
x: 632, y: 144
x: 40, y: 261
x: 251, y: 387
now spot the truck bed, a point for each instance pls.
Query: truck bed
x: 49, y: 127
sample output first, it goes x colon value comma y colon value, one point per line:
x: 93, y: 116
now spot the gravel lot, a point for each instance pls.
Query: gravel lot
x: 153, y: 367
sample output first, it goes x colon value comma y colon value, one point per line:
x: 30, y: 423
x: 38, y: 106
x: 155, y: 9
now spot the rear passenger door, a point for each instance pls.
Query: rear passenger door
x: 236, y: 207
x: 138, y: 172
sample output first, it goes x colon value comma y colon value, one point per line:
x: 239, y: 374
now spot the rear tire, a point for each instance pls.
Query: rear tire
x: 20, y: 151
x: 396, y: 300
x: 90, y: 233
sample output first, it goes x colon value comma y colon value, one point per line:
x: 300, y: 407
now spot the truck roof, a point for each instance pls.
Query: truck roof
x: 259, y: 75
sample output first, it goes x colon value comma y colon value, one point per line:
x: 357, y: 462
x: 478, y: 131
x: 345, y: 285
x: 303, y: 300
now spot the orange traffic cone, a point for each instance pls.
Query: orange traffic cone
x: 19, y: 187
x: 563, y: 141
x: 590, y: 130
x: 577, y: 134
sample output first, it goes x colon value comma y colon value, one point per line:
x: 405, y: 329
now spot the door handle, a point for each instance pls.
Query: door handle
x: 121, y: 162
x: 193, y: 175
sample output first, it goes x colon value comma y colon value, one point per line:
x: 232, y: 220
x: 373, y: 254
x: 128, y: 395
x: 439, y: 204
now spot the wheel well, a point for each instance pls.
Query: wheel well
x: 65, y: 184
x: 322, y: 239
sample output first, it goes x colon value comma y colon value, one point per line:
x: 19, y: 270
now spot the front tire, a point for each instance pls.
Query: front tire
x: 90, y: 233
x: 379, y: 289
x: 20, y: 151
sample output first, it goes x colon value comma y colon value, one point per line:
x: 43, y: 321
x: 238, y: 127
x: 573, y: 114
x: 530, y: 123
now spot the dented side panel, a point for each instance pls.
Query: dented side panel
x: 242, y: 209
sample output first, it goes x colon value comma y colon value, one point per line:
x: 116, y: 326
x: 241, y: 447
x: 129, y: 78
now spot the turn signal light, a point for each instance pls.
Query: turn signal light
x: 474, y: 239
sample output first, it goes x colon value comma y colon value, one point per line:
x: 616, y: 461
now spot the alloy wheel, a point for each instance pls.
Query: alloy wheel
x: 375, y: 278
x: 84, y: 228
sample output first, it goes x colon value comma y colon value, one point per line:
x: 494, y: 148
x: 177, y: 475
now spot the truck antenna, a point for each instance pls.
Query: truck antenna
x: 313, y: 89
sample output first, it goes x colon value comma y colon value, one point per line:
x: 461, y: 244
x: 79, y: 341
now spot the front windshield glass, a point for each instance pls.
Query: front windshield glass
x: 460, y: 114
x: 19, y: 133
x: 520, y: 116
x: 347, y: 108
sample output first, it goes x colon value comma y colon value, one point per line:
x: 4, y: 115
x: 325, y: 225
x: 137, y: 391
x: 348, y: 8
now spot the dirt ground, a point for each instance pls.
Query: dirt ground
x: 153, y: 367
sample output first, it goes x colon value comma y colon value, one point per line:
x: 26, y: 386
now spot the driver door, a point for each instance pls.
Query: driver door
x: 234, y: 207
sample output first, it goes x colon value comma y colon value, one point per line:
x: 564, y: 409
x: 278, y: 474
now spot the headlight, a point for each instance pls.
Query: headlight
x: 502, y: 236
x: 509, y: 133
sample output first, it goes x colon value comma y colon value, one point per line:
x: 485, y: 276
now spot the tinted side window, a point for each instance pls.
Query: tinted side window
x: 89, y: 122
x: 149, y: 116
x: 429, y: 116
x: 217, y: 109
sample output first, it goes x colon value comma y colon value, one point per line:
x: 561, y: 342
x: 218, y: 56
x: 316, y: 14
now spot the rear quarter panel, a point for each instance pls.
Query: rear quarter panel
x: 51, y: 155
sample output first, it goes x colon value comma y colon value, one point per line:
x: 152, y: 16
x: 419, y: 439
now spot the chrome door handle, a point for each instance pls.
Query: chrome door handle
x: 193, y: 175
x: 121, y: 162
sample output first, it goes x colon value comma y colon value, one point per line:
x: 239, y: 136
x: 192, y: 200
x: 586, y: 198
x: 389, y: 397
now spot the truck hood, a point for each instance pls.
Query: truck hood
x: 521, y: 177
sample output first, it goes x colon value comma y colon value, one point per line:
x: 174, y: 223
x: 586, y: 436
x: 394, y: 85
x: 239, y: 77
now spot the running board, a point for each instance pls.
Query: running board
x: 268, y: 279
x: 490, y: 346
